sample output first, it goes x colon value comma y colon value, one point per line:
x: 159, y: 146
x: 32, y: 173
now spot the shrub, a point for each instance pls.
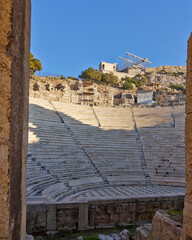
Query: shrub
x: 161, y: 71
x: 173, y: 74
x: 137, y: 76
x: 176, y: 213
x: 139, y: 80
x: 178, y: 87
x: 73, y: 78
x: 128, y: 85
x: 132, y: 80
x: 143, y: 81
x: 177, y: 74
x: 62, y: 77
x: 131, y: 236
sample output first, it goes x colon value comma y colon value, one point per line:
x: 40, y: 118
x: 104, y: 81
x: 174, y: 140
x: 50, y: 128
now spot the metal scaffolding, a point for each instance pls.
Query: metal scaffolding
x: 132, y: 61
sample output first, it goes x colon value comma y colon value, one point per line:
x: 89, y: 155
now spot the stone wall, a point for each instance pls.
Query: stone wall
x: 131, y: 73
x: 14, y: 78
x: 188, y: 146
x: 167, y: 69
x: 71, y: 91
x: 87, y: 215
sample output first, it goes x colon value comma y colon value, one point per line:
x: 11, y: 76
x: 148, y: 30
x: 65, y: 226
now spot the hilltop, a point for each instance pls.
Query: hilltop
x: 166, y: 82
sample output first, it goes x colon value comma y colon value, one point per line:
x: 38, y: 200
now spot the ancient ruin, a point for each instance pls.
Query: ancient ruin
x: 86, y: 92
x: 102, y: 157
x: 130, y: 185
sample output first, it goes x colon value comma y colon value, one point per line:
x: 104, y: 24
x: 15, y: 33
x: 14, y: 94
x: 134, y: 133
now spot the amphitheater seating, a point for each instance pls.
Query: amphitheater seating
x: 37, y: 178
x: 53, y: 148
x: 112, y: 147
x: 76, y: 114
x: 154, y: 117
x: 114, y: 118
x: 74, y: 147
x: 163, y: 144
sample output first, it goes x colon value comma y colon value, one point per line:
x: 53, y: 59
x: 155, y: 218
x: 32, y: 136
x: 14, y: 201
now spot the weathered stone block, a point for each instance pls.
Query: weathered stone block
x: 163, y: 227
x: 83, y: 216
x: 111, y: 209
x: 144, y: 216
x: 91, y: 216
x: 51, y: 218
x: 119, y: 208
x: 141, y: 207
x: 105, y: 237
x: 115, y: 236
x: 113, y: 218
x: 67, y: 218
x: 187, y: 218
x: 124, y: 234
x: 40, y: 222
x: 149, y: 207
x: 29, y: 237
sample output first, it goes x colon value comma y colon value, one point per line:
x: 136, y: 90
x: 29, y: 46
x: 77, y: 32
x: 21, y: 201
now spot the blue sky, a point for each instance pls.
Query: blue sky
x: 69, y: 36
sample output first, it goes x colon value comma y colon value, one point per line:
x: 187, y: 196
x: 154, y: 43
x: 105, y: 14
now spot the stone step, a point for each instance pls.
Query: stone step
x: 38, y: 187
x: 34, y: 180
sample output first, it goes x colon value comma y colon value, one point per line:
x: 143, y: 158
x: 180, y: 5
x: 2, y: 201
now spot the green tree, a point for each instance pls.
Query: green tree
x: 91, y: 74
x: 109, y: 78
x: 35, y: 64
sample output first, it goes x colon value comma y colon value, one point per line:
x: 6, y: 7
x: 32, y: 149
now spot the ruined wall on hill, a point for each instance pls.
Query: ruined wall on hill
x: 70, y: 91
x: 167, y: 69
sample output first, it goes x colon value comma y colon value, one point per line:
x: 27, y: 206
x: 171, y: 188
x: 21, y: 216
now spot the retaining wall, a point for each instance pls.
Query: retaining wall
x: 42, y: 217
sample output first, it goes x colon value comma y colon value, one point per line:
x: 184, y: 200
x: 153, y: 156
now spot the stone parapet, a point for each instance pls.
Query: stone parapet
x: 42, y: 217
